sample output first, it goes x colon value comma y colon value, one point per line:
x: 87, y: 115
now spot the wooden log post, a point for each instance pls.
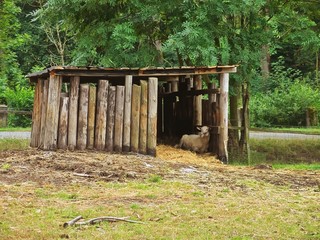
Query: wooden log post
x: 52, y: 115
x: 152, y: 116
x: 91, y: 115
x: 135, y: 117
x: 36, y: 115
x: 44, y: 101
x: 198, y: 101
x: 118, y: 125
x: 110, y: 118
x: 160, y: 123
x: 212, y: 99
x: 168, y: 111
x: 101, y: 115
x: 127, y: 114
x: 143, y: 117
x: 83, y: 117
x: 175, y: 84
x: 223, y: 104
x: 212, y: 121
x: 73, y: 112
x: 63, y: 123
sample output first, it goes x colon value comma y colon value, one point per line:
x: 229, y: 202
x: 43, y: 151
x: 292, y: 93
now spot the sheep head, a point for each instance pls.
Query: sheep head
x: 204, y: 131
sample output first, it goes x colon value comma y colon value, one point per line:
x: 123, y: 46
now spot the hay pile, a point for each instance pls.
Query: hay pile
x: 169, y: 153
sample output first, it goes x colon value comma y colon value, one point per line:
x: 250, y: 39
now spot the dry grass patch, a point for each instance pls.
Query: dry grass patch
x: 178, y: 195
x: 169, y: 153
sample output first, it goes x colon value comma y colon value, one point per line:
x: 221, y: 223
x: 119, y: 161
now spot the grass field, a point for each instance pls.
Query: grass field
x: 15, y: 129
x: 285, y: 151
x: 311, y: 130
x: 177, y: 195
x: 168, y: 209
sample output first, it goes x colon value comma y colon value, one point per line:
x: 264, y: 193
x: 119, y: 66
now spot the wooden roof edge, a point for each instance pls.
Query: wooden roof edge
x: 138, y: 71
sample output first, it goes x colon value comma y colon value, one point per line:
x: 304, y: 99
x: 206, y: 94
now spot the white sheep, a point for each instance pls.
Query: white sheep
x: 197, y: 143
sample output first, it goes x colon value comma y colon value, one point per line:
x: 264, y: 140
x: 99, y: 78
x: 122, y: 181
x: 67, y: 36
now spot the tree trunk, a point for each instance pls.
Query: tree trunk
x: 265, y: 62
x: 244, y: 140
x: 234, y: 116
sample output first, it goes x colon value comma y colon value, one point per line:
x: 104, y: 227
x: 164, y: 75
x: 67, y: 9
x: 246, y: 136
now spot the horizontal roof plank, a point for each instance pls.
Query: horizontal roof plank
x: 92, y: 71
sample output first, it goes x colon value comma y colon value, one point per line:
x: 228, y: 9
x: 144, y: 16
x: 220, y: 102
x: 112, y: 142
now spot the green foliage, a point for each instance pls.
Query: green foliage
x: 284, y: 106
x: 155, y: 178
x: 21, y: 98
x: 10, y: 40
x: 286, y: 99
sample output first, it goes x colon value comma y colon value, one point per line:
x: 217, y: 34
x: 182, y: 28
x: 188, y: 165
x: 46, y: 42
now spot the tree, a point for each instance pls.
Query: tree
x: 10, y: 41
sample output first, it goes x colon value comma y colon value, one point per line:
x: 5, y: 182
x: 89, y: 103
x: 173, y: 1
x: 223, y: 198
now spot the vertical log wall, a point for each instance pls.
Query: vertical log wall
x: 104, y: 117
x: 223, y: 136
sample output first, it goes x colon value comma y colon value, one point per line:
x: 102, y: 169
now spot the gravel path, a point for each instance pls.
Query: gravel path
x: 274, y: 135
x: 21, y: 135
x: 255, y: 135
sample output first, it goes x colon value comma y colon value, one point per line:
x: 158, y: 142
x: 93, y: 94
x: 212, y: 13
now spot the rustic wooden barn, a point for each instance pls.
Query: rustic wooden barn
x: 127, y: 109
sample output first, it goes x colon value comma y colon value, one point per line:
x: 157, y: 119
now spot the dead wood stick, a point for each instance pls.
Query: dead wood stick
x: 72, y: 222
x: 83, y: 175
x: 101, y: 219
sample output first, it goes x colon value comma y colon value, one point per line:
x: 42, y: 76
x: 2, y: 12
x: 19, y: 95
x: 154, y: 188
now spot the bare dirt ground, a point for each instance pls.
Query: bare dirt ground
x: 65, y: 167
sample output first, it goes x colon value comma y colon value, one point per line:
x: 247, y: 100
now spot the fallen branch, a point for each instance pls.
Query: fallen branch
x: 75, y: 222
x: 72, y: 222
x: 83, y: 175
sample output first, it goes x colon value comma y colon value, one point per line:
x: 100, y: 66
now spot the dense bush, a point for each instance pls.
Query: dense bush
x: 284, y: 106
x: 21, y: 98
x: 284, y: 98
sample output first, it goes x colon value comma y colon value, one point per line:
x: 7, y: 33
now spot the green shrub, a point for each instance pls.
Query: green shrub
x: 284, y: 106
x: 20, y: 98
x: 283, y: 99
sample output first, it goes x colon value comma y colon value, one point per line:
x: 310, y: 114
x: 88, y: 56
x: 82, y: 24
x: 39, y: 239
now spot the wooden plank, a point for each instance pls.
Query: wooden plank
x: 156, y: 72
x: 36, y: 115
x: 52, y: 115
x: 127, y: 114
x: 186, y: 93
x: 212, y: 98
x: 152, y: 115
x: 198, y: 102
x: 168, y: 111
x: 91, y: 115
x: 223, y: 105
x: 160, y: 123
x: 44, y: 101
x: 175, y: 86
x: 73, y: 112
x: 63, y: 123
x: 101, y: 115
x: 118, y: 125
x: 110, y: 118
x: 215, y: 122
x: 135, y: 118
x: 143, y: 118
x: 83, y: 117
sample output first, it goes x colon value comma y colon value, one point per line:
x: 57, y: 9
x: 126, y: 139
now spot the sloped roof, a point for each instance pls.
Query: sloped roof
x: 92, y: 71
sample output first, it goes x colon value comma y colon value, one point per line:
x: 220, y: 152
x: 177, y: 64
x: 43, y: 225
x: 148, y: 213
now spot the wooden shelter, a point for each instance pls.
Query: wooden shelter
x: 127, y: 109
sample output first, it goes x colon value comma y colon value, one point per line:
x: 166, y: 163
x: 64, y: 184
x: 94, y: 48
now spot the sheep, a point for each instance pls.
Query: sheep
x: 197, y: 143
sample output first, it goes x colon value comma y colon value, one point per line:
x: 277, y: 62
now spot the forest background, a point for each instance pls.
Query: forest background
x: 275, y: 43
